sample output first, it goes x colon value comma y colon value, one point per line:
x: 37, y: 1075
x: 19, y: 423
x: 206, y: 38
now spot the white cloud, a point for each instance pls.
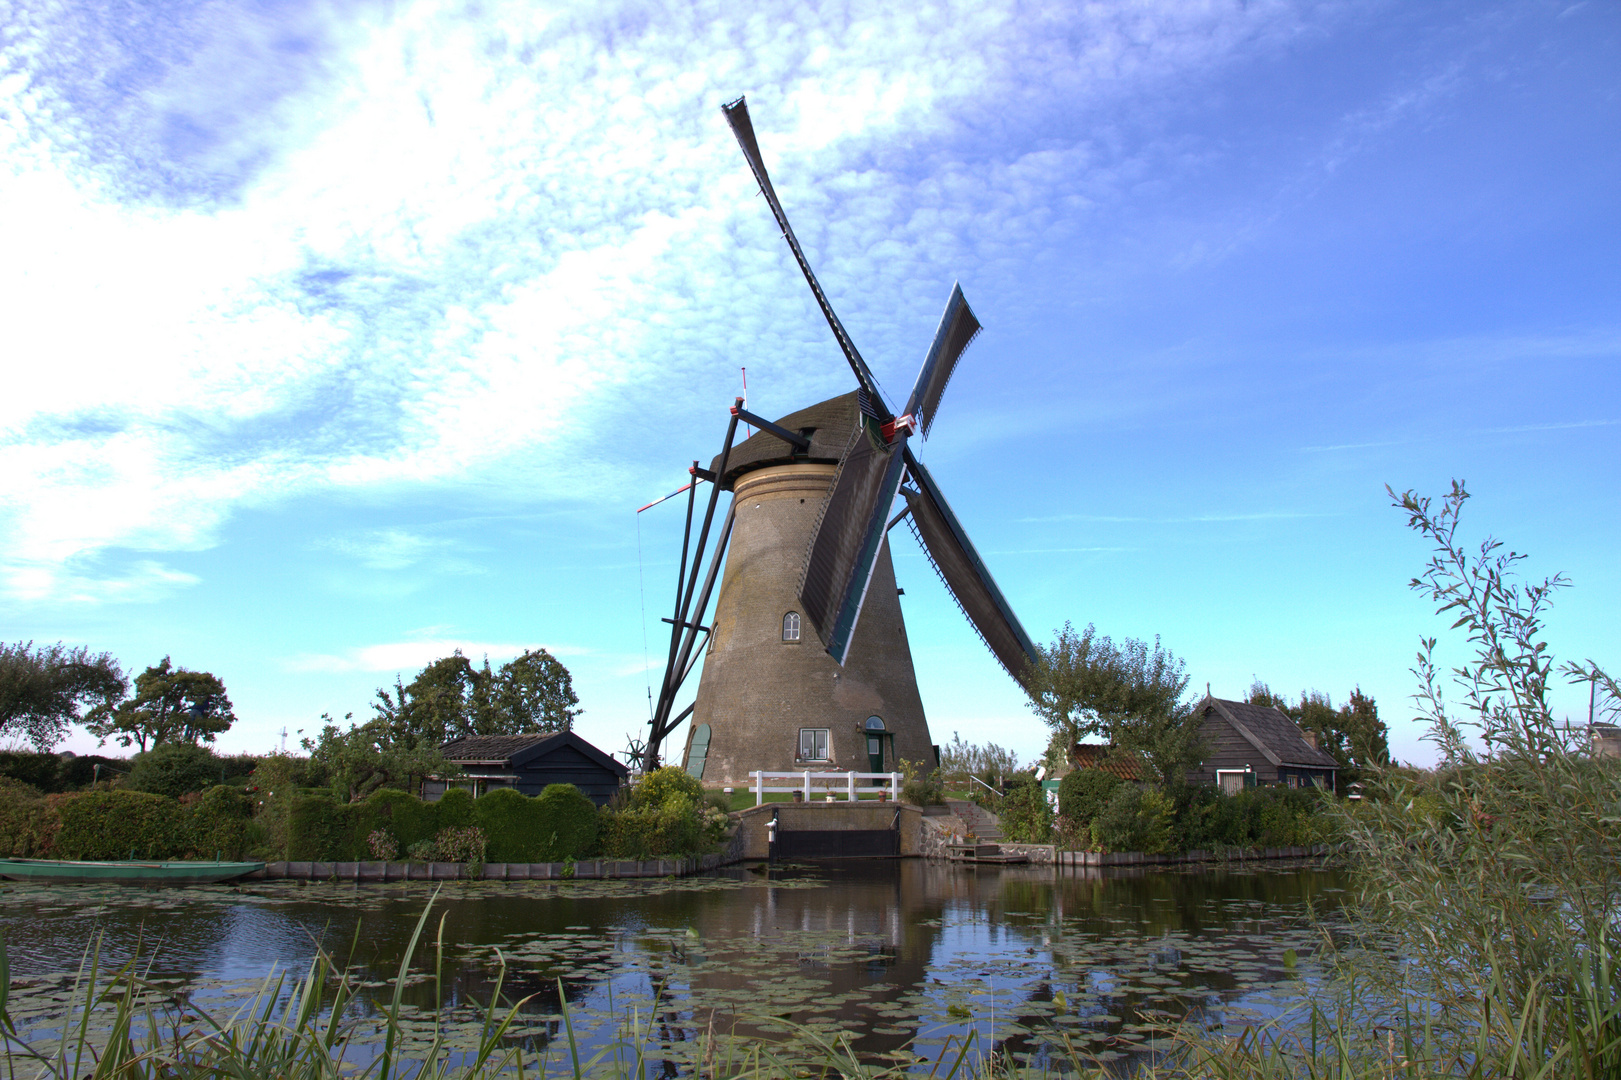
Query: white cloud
x: 455, y: 241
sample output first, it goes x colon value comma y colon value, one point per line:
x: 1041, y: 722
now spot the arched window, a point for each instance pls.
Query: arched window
x: 790, y: 626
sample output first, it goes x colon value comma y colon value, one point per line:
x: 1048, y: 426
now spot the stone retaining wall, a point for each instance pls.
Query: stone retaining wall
x: 585, y: 869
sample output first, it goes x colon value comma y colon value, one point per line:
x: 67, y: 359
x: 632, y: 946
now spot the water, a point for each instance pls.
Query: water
x: 907, y: 957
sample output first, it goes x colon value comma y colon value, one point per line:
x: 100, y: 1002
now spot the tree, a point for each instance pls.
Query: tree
x: 1130, y: 693
x: 170, y: 705
x: 451, y: 699
x: 42, y: 690
x: 373, y: 755
x: 1353, y: 735
x: 532, y: 693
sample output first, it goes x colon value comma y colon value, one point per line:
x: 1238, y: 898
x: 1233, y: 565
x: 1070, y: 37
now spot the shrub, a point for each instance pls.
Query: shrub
x: 408, y: 818
x: 79, y: 772
x: 1134, y: 819
x: 460, y: 843
x: 1027, y: 817
x: 173, y: 769
x: 660, y: 786
x: 219, y: 822
x: 320, y: 829
x: 1082, y: 793
x: 121, y: 824
x: 28, y: 821
x: 510, y: 822
x: 673, y: 829
x: 454, y: 808
x: 568, y: 824
x: 39, y: 771
x: 383, y: 845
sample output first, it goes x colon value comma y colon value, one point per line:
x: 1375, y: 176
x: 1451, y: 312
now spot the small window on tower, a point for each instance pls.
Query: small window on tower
x: 790, y: 626
x: 813, y: 744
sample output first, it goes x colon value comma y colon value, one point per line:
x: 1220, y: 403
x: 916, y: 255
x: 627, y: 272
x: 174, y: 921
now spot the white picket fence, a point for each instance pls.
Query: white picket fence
x: 823, y: 783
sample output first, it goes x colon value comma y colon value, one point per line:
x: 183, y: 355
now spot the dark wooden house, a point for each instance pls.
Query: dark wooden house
x: 1246, y: 745
x: 528, y: 764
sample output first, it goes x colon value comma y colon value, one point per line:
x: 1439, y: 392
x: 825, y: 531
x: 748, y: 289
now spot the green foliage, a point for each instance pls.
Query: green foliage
x: 320, y: 829
x: 371, y: 756
x: 174, y: 769
x: 114, y: 824
x: 450, y: 699
x: 28, y: 821
x: 925, y: 791
x: 220, y: 822
x: 567, y: 826
x: 660, y: 786
x: 1027, y: 817
x: 1353, y: 735
x: 1207, y: 820
x: 1082, y: 793
x: 1496, y: 878
x: 43, y: 689
x: 654, y: 832
x: 558, y: 824
x: 459, y: 844
x: 170, y: 705
x: 1130, y: 693
x: 960, y: 759
x: 1135, y: 818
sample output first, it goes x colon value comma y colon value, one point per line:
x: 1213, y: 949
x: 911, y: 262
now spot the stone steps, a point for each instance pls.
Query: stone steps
x: 980, y: 823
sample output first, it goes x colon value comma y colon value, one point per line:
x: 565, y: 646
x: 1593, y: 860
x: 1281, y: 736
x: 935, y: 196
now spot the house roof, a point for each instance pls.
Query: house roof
x: 1103, y: 758
x: 515, y: 750
x: 1270, y: 731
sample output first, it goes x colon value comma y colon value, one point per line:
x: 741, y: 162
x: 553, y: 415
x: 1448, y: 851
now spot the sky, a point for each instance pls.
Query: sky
x: 342, y: 335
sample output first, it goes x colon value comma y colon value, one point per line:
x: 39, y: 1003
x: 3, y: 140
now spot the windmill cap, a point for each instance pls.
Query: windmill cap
x: 830, y: 424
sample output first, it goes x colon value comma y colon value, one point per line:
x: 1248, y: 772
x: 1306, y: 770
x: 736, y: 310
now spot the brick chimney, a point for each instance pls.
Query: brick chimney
x: 1311, y: 738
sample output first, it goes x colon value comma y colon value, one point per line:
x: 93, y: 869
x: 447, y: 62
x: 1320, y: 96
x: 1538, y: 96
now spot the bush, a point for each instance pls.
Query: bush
x: 460, y: 844
x: 39, y: 771
x: 928, y: 791
x: 173, y: 769
x: 568, y: 824
x: 673, y: 829
x: 1027, y: 817
x: 121, y: 824
x: 1082, y: 793
x: 319, y: 829
x: 660, y: 786
x: 219, y: 823
x: 1134, y: 819
x: 28, y: 821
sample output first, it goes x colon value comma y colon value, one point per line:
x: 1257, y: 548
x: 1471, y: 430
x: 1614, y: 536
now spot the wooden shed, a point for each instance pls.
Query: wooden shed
x: 1246, y: 745
x: 528, y: 764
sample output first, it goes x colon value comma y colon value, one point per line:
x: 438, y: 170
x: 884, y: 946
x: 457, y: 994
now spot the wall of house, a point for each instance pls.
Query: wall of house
x: 1225, y: 748
x: 566, y: 765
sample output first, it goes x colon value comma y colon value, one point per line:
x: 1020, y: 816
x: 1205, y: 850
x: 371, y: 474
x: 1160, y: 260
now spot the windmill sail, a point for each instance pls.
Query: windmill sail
x: 844, y: 545
x: 737, y: 115
x: 957, y: 328
x: 960, y: 567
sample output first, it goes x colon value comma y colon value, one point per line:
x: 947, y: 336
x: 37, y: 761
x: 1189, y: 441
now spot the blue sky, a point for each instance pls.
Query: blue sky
x: 339, y: 336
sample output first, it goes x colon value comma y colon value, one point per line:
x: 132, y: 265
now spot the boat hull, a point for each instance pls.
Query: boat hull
x: 68, y: 872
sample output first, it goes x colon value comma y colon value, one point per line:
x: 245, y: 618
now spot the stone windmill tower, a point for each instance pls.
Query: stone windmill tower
x: 806, y: 663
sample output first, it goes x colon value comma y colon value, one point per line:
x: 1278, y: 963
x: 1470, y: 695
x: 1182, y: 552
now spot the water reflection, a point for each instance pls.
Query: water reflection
x: 902, y: 956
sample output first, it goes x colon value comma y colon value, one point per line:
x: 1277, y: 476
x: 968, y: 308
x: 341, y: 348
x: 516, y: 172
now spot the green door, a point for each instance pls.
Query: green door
x: 875, y: 743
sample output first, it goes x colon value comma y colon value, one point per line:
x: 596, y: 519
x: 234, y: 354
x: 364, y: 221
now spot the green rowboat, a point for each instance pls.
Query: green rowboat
x: 64, y: 872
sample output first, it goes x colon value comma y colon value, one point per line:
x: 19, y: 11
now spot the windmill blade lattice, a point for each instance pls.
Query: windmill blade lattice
x: 942, y: 537
x: 737, y: 115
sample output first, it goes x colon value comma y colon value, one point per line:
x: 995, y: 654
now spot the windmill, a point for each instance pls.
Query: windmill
x: 803, y: 544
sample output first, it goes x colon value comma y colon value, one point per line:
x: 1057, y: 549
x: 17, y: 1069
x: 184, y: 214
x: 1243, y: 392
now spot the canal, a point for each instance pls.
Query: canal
x: 906, y: 957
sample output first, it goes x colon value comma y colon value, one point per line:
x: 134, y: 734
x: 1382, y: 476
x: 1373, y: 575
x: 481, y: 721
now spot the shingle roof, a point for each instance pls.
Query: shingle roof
x: 1272, y: 733
x: 492, y: 747
x: 1103, y: 758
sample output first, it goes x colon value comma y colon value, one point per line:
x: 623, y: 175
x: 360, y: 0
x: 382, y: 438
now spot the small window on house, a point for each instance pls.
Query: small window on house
x: 813, y: 744
x: 790, y: 626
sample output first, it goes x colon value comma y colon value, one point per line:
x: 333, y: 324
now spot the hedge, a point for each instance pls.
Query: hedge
x: 558, y: 824
x: 28, y: 821
x: 50, y: 773
x: 120, y: 825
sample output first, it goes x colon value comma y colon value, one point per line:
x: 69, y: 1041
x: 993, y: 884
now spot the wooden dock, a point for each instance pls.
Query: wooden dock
x: 984, y: 855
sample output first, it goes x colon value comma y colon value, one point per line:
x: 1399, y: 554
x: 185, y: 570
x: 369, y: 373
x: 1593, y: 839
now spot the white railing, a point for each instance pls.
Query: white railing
x: 805, y: 780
